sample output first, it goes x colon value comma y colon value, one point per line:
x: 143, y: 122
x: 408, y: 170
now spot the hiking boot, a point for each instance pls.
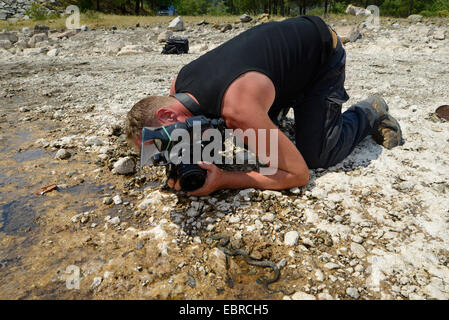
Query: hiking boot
x: 387, y: 131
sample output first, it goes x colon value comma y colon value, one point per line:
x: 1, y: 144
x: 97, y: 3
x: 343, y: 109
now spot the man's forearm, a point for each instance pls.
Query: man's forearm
x: 278, y: 181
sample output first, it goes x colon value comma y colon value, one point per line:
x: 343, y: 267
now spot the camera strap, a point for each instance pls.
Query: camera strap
x: 188, y: 102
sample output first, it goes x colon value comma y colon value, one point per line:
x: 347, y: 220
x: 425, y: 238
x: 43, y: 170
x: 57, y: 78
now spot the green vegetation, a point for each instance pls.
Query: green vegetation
x: 398, y: 8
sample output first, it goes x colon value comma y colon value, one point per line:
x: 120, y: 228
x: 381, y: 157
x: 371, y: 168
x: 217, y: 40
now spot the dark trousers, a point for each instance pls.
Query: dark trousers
x: 324, y: 135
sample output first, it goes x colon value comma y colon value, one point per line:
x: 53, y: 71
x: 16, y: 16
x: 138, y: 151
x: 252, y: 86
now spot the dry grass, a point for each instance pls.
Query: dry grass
x: 106, y: 21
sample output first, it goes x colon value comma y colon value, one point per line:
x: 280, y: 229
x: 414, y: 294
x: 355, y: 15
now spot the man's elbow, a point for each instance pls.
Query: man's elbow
x: 300, y: 179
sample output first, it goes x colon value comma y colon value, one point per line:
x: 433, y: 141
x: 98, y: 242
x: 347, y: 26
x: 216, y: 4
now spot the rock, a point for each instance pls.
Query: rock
x: 84, y: 28
x: 358, y: 250
x: 33, y: 51
x: 107, y: 200
x: 291, y: 238
x: 26, y: 30
x: 302, y: 296
x: 264, y: 17
x: 133, y: 49
x: 198, y: 48
x: 267, y: 217
x: 67, y: 34
x: 114, y: 221
x: 202, y: 22
x: 331, y: 266
x: 245, y: 18
x: 37, y: 38
x: 226, y: 27
x: 415, y: 18
x: 164, y: 36
x: 22, y: 44
x: 5, y: 44
x: 117, y: 200
x: 41, y: 28
x: 357, y: 239
x: 217, y: 261
x: 125, y: 165
x: 94, y: 141
x: 176, y: 24
x: 348, y: 34
x: 353, y: 293
x: 10, y: 36
x: 319, y: 275
x: 439, y: 35
x: 62, y: 154
x: 53, y: 52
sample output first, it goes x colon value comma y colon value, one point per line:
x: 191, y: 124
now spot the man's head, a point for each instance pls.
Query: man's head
x: 153, y: 111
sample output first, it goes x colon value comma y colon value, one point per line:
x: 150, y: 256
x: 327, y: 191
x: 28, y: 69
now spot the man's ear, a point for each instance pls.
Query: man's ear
x: 166, y: 116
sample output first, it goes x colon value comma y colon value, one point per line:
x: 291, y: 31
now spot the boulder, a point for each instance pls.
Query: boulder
x: 39, y: 37
x: 348, y: 34
x: 415, y: 18
x: 10, y: 36
x: 133, y: 49
x: 125, y: 165
x: 176, y: 24
x: 245, y: 18
x: 439, y: 35
x: 226, y: 27
x: 357, y: 11
x: 164, y: 36
x: 5, y: 44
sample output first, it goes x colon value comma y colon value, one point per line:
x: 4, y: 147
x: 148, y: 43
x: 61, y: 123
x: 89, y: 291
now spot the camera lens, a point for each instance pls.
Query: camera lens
x: 191, y: 177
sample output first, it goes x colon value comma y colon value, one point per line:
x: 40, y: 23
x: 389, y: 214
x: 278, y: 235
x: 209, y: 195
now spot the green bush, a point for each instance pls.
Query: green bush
x: 92, y: 15
x: 37, y: 12
x: 339, y: 7
x: 443, y: 13
x: 218, y: 10
x: 316, y: 12
x: 428, y: 13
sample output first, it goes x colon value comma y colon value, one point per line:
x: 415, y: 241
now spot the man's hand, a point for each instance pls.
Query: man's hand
x: 213, y: 180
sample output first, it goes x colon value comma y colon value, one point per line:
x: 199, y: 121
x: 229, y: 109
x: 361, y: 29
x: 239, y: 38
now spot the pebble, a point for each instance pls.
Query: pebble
x: 114, y: 221
x: 62, y: 154
x: 94, y: 141
x: 357, y: 239
x: 302, y: 296
x: 319, y: 275
x: 291, y: 238
x: 353, y: 293
x: 125, y: 165
x: 107, y: 200
x: 358, y: 250
x: 331, y: 266
x: 117, y: 199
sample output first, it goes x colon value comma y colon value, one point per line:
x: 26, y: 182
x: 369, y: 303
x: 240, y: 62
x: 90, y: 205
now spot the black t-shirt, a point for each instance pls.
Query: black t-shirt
x: 291, y: 53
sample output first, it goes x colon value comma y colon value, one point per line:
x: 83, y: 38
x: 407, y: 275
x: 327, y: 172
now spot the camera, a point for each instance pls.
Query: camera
x: 161, y: 147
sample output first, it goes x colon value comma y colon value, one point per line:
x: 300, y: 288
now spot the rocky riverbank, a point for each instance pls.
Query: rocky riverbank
x: 373, y: 227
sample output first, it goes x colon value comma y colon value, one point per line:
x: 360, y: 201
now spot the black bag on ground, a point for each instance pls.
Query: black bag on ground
x: 176, y: 45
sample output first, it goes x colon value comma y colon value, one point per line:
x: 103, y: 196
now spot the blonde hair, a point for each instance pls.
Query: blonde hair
x: 143, y: 114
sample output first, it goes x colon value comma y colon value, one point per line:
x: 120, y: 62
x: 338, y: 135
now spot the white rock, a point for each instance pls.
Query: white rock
x: 319, y: 275
x: 53, y: 52
x: 62, y: 154
x: 94, y: 141
x: 37, y: 38
x: 33, y: 51
x: 176, y: 24
x: 133, y: 49
x: 331, y: 266
x: 302, y: 296
x: 353, y: 293
x: 5, y: 44
x: 164, y: 36
x: 117, y: 199
x: 125, y: 165
x: 291, y: 238
x: 415, y: 18
x: 267, y: 217
x: 358, y: 250
x: 114, y: 221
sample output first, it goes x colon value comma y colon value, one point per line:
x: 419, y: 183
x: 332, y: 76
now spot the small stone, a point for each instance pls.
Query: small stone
x: 84, y: 28
x: 353, y: 293
x: 358, y: 250
x: 94, y: 141
x: 291, y: 238
x: 53, y: 52
x: 62, y: 154
x: 415, y: 18
x: 267, y: 217
x: 357, y: 239
x: 107, y: 200
x: 164, y: 36
x: 5, y: 44
x: 331, y: 266
x: 319, y: 275
x: 114, y: 221
x: 302, y: 296
x: 245, y: 18
x: 117, y: 200
x: 125, y: 165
